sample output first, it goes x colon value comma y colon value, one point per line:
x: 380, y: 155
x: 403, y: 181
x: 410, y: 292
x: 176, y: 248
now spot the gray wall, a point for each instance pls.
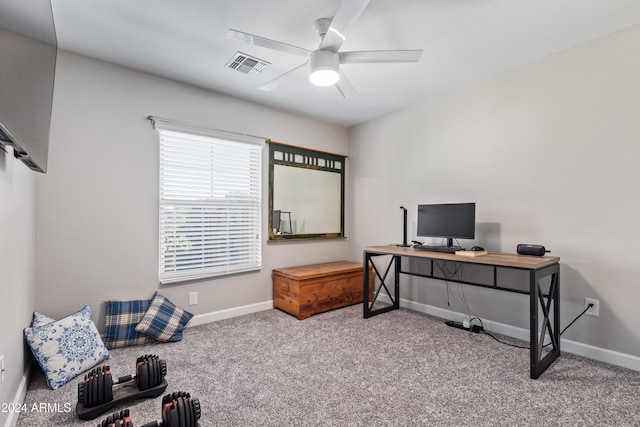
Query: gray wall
x: 549, y: 152
x: 97, y: 213
x: 17, y: 266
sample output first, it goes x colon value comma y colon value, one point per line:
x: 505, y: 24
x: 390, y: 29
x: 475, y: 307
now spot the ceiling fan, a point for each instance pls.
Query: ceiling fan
x: 325, y: 61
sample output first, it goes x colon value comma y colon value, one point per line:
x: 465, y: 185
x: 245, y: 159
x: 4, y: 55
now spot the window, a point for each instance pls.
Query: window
x: 210, y: 202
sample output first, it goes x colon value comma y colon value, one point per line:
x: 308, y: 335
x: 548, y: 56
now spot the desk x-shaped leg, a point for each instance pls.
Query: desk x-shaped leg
x: 370, y: 298
x: 550, y: 308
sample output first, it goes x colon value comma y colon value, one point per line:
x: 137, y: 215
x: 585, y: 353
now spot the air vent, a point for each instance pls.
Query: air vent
x: 246, y: 64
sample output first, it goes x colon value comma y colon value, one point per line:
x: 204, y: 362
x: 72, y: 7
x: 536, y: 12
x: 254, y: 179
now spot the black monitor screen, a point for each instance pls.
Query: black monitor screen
x: 452, y: 220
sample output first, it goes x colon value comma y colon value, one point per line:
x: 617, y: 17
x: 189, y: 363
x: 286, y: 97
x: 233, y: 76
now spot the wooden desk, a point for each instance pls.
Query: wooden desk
x: 544, y: 298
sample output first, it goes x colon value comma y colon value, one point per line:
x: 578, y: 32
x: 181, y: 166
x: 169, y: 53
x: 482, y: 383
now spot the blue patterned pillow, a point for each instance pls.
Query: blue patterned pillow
x: 66, y: 348
x: 163, y: 321
x: 39, y: 319
x: 121, y: 320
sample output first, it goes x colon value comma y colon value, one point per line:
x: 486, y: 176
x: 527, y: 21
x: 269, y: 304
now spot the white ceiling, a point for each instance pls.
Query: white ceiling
x: 463, y: 41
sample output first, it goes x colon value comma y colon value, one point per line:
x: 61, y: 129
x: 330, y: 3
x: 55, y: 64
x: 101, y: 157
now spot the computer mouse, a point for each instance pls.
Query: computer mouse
x: 477, y: 248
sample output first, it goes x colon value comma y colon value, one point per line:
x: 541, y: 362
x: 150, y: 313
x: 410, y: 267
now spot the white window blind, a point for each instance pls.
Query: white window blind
x: 210, y: 204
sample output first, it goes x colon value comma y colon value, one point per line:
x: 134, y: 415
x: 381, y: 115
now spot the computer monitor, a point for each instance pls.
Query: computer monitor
x: 449, y: 221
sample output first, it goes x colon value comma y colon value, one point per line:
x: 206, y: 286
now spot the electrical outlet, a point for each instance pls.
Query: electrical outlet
x: 595, y: 310
x: 193, y: 298
x: 1, y: 368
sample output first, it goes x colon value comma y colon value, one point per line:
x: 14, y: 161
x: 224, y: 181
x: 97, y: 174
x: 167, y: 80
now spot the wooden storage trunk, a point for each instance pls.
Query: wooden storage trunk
x: 310, y: 289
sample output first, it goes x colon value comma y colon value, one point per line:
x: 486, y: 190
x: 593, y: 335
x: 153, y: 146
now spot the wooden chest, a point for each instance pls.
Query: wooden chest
x: 310, y: 289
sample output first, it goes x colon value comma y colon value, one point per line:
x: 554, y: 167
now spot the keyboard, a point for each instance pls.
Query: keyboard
x: 446, y: 249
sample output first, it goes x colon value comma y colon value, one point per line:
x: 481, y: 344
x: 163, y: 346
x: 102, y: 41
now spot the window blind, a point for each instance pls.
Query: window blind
x: 210, y: 204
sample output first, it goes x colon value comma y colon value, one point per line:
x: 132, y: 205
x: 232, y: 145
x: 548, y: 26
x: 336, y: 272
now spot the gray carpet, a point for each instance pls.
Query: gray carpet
x: 338, y: 369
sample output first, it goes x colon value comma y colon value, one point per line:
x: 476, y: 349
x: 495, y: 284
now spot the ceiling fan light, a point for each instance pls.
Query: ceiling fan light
x: 324, y: 76
x: 324, y: 68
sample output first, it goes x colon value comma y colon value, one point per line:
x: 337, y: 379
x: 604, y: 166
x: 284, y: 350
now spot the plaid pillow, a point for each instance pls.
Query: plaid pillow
x: 122, y: 317
x: 163, y: 321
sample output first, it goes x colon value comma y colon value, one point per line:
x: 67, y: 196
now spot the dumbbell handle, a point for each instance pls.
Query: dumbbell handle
x: 157, y: 423
x: 124, y: 379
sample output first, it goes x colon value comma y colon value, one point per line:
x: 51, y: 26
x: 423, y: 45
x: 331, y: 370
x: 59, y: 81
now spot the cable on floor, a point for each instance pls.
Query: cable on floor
x: 527, y: 347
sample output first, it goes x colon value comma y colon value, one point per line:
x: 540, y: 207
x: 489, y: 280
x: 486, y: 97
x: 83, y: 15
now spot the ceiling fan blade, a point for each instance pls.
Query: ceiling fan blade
x: 264, y: 42
x: 344, y: 19
x: 271, y: 85
x: 344, y: 86
x: 379, y: 56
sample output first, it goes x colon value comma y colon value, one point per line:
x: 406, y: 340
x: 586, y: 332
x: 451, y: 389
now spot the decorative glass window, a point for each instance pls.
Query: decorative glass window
x: 306, y: 193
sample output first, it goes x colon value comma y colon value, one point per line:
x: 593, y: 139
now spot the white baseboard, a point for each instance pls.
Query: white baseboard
x: 21, y: 392
x: 568, y: 346
x: 201, y: 319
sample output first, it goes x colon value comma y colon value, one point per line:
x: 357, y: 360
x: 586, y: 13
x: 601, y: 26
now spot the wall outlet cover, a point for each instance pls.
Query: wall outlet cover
x: 595, y: 310
x: 193, y: 298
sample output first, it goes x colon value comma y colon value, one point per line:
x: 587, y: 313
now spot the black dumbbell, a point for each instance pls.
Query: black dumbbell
x: 178, y: 410
x: 97, y: 386
x: 118, y: 419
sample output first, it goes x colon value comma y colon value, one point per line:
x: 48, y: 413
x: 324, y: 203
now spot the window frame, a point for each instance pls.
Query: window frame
x: 197, y: 218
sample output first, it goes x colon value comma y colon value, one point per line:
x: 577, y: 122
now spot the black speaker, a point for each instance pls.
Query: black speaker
x: 526, y: 249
